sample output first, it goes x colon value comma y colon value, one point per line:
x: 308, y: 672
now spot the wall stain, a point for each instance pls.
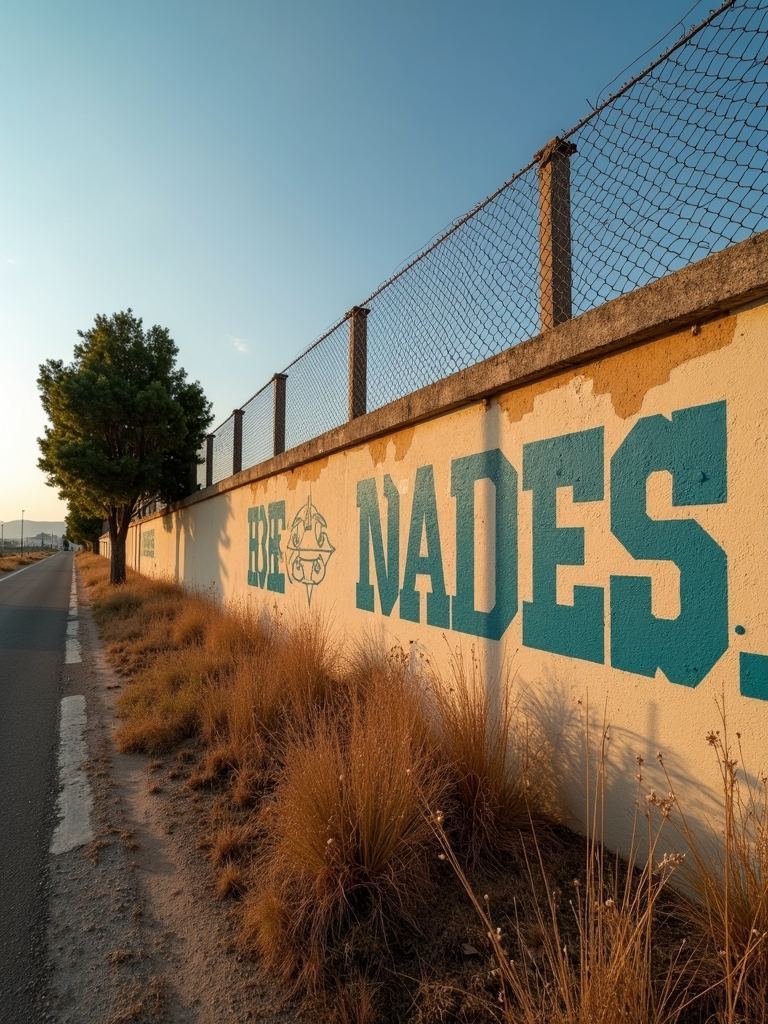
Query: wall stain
x: 309, y: 473
x: 628, y: 376
x: 519, y: 403
x: 402, y: 441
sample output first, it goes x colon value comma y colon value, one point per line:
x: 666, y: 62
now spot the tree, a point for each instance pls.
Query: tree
x: 83, y: 528
x: 125, y: 424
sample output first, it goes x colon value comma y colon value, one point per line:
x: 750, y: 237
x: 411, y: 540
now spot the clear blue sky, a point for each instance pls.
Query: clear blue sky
x: 242, y: 172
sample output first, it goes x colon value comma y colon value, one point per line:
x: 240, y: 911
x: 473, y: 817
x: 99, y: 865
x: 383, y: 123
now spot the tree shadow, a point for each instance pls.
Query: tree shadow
x: 605, y: 772
x: 202, y: 540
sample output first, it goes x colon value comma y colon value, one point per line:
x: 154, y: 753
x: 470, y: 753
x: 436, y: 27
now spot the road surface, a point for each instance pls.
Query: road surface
x: 34, y: 603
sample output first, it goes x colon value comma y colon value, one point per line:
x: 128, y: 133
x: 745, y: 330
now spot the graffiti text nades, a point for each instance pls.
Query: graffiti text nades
x: 690, y: 446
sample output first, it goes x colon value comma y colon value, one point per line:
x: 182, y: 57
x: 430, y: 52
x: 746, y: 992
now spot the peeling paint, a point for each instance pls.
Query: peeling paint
x: 307, y: 474
x: 520, y: 402
x: 628, y: 376
x: 401, y: 441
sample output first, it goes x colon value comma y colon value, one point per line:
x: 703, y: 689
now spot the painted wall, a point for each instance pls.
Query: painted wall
x: 598, y: 536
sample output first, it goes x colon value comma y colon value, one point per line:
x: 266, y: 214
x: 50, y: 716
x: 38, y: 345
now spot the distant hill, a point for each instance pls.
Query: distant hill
x: 12, y: 530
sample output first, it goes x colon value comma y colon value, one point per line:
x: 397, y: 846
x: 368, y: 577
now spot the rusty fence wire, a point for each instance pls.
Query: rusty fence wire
x: 670, y: 168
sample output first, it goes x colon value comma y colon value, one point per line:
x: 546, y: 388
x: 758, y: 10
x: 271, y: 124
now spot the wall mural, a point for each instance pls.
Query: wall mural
x: 597, y: 540
x: 308, y: 550
x: 691, y: 446
x: 148, y: 544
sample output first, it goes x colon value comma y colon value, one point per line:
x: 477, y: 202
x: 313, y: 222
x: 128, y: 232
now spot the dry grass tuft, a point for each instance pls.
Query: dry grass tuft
x: 345, y: 841
x: 231, y: 881
x: 356, y: 1000
x: 485, y: 744
x: 232, y: 841
x: 9, y: 563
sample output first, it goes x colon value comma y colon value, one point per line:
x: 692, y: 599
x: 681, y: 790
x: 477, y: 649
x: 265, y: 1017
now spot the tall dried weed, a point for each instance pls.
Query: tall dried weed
x: 486, y: 746
x: 346, y: 843
x: 609, y: 969
x: 728, y: 872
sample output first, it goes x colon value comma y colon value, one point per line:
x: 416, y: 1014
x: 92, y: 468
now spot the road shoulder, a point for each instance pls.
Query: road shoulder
x: 135, y: 932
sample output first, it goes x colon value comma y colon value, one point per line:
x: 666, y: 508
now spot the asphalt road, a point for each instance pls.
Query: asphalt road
x: 33, y: 617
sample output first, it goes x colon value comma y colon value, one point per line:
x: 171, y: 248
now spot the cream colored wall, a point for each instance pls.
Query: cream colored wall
x: 206, y: 546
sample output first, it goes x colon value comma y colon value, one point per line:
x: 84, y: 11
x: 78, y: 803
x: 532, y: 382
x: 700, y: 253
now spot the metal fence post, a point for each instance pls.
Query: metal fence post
x: 358, y: 361
x: 278, y: 413
x: 237, y: 441
x: 209, y: 459
x: 555, y: 232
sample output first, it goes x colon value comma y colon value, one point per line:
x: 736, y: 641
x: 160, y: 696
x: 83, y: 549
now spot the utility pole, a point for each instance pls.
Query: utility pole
x: 22, y: 533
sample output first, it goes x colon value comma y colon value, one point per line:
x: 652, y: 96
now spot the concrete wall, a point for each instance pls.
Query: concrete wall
x: 586, y: 511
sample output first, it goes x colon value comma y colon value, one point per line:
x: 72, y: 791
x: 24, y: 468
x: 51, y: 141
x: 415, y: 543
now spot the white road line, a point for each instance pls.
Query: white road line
x: 72, y: 651
x: 72, y: 643
x: 75, y: 802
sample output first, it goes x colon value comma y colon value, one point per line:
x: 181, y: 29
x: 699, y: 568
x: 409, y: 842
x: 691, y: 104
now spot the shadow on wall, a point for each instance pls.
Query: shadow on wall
x: 493, y: 654
x: 202, y: 540
x: 572, y: 730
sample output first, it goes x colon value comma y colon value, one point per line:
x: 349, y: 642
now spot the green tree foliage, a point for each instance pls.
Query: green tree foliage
x: 125, y: 424
x: 83, y: 528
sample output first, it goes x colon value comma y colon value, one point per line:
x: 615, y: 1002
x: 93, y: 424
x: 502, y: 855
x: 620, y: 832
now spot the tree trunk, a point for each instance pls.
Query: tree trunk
x: 119, y: 521
x: 116, y: 551
x: 95, y: 547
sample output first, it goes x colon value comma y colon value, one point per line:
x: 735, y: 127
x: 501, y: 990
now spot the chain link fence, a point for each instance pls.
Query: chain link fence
x: 317, y: 388
x: 671, y: 168
x: 674, y: 168
x: 258, y: 417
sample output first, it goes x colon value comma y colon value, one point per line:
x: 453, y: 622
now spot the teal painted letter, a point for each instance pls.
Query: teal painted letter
x: 692, y: 447
x: 387, y: 566
x: 424, y: 520
x: 275, y: 578
x: 491, y: 465
x: 572, y: 460
x: 753, y: 675
x: 257, y: 546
